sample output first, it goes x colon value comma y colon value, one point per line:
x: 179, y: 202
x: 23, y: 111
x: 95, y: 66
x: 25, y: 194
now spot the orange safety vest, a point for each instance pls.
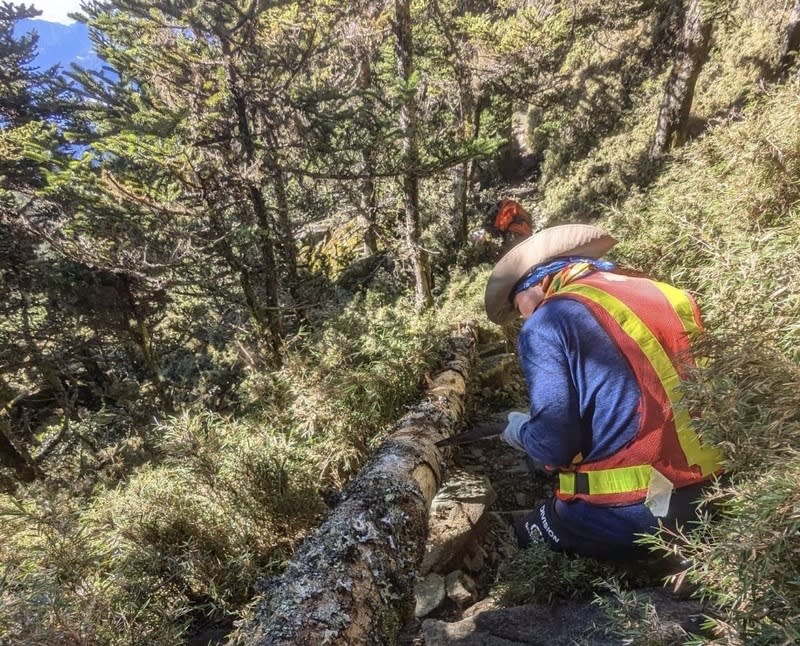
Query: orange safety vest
x: 652, y: 324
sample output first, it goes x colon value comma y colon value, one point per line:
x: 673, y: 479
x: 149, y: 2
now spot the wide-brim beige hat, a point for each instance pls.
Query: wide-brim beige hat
x: 547, y: 244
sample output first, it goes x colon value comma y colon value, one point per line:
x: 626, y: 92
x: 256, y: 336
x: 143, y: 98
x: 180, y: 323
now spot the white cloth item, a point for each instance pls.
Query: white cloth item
x: 511, y: 434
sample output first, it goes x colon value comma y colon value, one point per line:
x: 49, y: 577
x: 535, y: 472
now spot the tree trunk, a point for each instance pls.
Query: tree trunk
x: 791, y: 42
x: 287, y: 244
x: 269, y: 273
x: 368, y: 207
x: 673, y: 116
x: 461, y: 175
x: 139, y: 334
x: 467, y: 125
x: 351, y: 582
x: 268, y: 306
x: 15, y: 456
x: 408, y: 125
x: 267, y: 320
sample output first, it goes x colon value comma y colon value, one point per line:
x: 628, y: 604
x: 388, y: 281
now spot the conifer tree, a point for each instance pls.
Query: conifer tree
x: 204, y: 94
x: 33, y: 339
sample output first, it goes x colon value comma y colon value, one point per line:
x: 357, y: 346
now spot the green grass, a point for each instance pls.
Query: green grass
x: 539, y: 575
x: 180, y: 536
x: 722, y: 219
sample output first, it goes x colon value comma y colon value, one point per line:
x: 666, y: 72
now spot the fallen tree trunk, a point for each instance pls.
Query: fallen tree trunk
x: 351, y: 581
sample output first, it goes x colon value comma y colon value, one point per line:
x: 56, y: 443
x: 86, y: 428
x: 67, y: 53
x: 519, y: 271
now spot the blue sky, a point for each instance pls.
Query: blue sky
x: 62, y: 41
x: 55, y: 10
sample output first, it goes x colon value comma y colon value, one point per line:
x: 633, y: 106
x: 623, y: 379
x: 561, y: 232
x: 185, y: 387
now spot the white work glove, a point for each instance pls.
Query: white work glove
x: 511, y: 434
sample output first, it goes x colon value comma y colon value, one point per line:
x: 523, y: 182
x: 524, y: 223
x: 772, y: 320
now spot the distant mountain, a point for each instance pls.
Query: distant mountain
x: 61, y: 44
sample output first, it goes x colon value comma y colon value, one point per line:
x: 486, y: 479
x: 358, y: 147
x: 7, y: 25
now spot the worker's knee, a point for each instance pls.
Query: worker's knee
x: 538, y: 527
x: 545, y: 525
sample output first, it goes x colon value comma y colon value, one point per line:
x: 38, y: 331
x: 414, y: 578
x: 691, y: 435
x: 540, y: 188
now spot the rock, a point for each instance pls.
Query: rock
x: 557, y: 624
x: 506, y: 545
x: 481, y: 606
x: 474, y: 559
x: 533, y: 624
x: 520, y: 468
x: 429, y: 593
x: 456, y: 520
x: 461, y: 589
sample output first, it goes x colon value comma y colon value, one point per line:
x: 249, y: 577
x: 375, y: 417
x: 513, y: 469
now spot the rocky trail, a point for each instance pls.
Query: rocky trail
x: 432, y: 525
x: 470, y: 541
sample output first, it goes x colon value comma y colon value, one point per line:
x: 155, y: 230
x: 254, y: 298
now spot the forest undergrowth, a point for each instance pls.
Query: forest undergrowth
x: 156, y: 523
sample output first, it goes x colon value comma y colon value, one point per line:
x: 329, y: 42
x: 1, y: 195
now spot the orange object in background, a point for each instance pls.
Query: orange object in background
x: 507, y: 217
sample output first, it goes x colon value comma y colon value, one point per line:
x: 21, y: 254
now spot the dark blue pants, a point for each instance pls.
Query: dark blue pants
x: 545, y: 525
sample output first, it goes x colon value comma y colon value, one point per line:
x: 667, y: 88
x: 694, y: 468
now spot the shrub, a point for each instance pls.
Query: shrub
x: 724, y: 223
x: 178, y: 545
x: 537, y: 574
x: 350, y: 380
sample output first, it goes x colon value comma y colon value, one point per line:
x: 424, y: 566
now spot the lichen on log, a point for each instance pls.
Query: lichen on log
x: 352, y: 580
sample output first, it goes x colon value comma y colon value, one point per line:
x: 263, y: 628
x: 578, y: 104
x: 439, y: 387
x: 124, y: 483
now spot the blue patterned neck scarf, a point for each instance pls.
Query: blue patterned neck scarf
x: 540, y: 272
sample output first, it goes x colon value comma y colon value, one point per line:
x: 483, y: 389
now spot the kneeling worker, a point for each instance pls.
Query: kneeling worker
x: 604, y: 354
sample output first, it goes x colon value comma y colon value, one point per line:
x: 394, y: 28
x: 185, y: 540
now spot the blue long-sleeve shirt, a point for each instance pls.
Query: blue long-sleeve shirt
x: 583, y: 394
x: 584, y: 407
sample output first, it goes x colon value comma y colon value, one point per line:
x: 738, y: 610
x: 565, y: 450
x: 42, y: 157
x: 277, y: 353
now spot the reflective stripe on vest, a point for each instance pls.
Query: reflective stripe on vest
x: 651, y: 327
x: 621, y: 480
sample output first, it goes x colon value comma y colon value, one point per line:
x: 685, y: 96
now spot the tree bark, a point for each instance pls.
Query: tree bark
x: 287, y: 243
x: 351, y: 582
x: 791, y: 42
x: 673, y: 116
x: 266, y: 320
x: 139, y: 333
